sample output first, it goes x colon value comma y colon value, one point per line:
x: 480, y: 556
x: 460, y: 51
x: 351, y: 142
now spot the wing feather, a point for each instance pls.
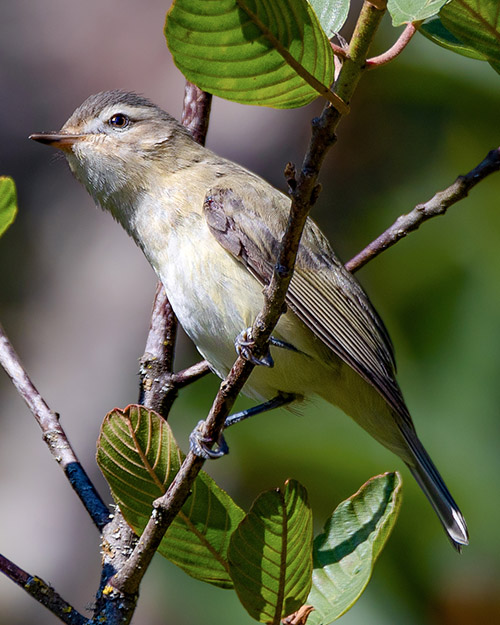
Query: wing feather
x: 322, y: 293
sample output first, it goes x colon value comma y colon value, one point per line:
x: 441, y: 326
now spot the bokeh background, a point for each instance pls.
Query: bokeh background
x: 75, y: 297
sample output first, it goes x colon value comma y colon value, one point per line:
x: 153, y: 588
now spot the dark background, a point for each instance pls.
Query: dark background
x: 75, y: 297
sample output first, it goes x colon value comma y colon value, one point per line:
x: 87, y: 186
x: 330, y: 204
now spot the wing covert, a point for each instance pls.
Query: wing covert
x: 322, y: 293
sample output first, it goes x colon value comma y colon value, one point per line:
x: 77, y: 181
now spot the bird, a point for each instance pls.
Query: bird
x: 211, y: 230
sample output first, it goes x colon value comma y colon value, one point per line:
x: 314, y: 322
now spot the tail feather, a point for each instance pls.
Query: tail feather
x: 431, y: 482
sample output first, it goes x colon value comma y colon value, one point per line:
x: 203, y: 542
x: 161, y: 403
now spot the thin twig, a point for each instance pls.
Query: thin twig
x: 53, y: 433
x: 191, y: 374
x: 338, y: 50
x: 159, y: 385
x: 157, y: 391
x: 42, y: 592
x: 303, y: 193
x: 437, y: 205
x: 403, y: 40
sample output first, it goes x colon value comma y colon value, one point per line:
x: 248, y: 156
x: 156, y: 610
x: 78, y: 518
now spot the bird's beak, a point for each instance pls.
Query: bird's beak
x: 59, y: 140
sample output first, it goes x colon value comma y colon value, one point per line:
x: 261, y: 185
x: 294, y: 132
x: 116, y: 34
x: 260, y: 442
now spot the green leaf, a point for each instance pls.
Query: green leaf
x: 332, y: 14
x: 476, y: 23
x: 139, y: 458
x: 496, y: 66
x: 270, y: 554
x: 404, y: 11
x: 438, y: 33
x: 8, y: 203
x: 344, y: 555
x: 263, y: 52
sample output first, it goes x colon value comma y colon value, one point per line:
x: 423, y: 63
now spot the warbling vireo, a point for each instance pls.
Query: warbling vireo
x: 213, y: 258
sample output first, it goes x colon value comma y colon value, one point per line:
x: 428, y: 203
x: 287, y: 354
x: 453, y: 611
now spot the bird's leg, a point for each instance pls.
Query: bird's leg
x: 276, y: 402
x: 199, y: 443
x: 244, y: 345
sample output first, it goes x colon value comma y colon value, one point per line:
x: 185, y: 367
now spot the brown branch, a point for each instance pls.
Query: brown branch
x: 159, y: 385
x: 156, y: 388
x: 53, y: 433
x: 437, y: 205
x: 42, y: 592
x: 191, y: 374
x: 303, y: 194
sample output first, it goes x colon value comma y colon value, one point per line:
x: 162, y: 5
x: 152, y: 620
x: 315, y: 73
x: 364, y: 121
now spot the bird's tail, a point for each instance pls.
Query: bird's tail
x: 431, y: 482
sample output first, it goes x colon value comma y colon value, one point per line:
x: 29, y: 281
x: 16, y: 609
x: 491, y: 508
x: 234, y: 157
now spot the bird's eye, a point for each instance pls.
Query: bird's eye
x: 119, y: 120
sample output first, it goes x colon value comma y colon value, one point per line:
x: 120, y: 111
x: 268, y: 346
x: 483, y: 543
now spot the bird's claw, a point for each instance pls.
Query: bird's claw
x: 245, y: 344
x: 199, y: 444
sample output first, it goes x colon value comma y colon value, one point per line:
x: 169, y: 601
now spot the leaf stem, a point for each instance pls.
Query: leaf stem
x: 403, y: 40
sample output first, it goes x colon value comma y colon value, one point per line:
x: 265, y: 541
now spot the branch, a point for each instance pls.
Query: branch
x: 159, y: 385
x: 403, y: 40
x: 53, y: 433
x: 191, y: 374
x: 304, y: 192
x: 437, y: 205
x: 118, y: 541
x: 156, y: 388
x: 42, y: 592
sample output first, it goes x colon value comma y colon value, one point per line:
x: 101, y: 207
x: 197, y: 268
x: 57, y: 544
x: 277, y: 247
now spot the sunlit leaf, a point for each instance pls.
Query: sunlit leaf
x: 404, y: 11
x: 139, y: 458
x: 344, y: 555
x: 438, y: 33
x: 8, y: 203
x: 270, y: 554
x: 476, y: 23
x: 332, y: 14
x: 264, y: 52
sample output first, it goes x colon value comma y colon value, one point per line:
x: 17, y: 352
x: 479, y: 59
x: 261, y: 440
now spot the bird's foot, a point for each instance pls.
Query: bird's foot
x: 245, y: 344
x: 199, y: 444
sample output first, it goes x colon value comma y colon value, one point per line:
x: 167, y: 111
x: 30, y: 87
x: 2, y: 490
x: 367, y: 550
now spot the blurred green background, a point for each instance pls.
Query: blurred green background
x: 75, y: 296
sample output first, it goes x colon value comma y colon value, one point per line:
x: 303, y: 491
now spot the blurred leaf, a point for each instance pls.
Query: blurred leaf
x: 438, y: 33
x: 8, y: 203
x: 332, y: 14
x: 496, y: 66
x: 476, y: 23
x: 263, y: 52
x: 404, y: 11
x: 270, y: 554
x: 345, y: 554
x: 139, y: 458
